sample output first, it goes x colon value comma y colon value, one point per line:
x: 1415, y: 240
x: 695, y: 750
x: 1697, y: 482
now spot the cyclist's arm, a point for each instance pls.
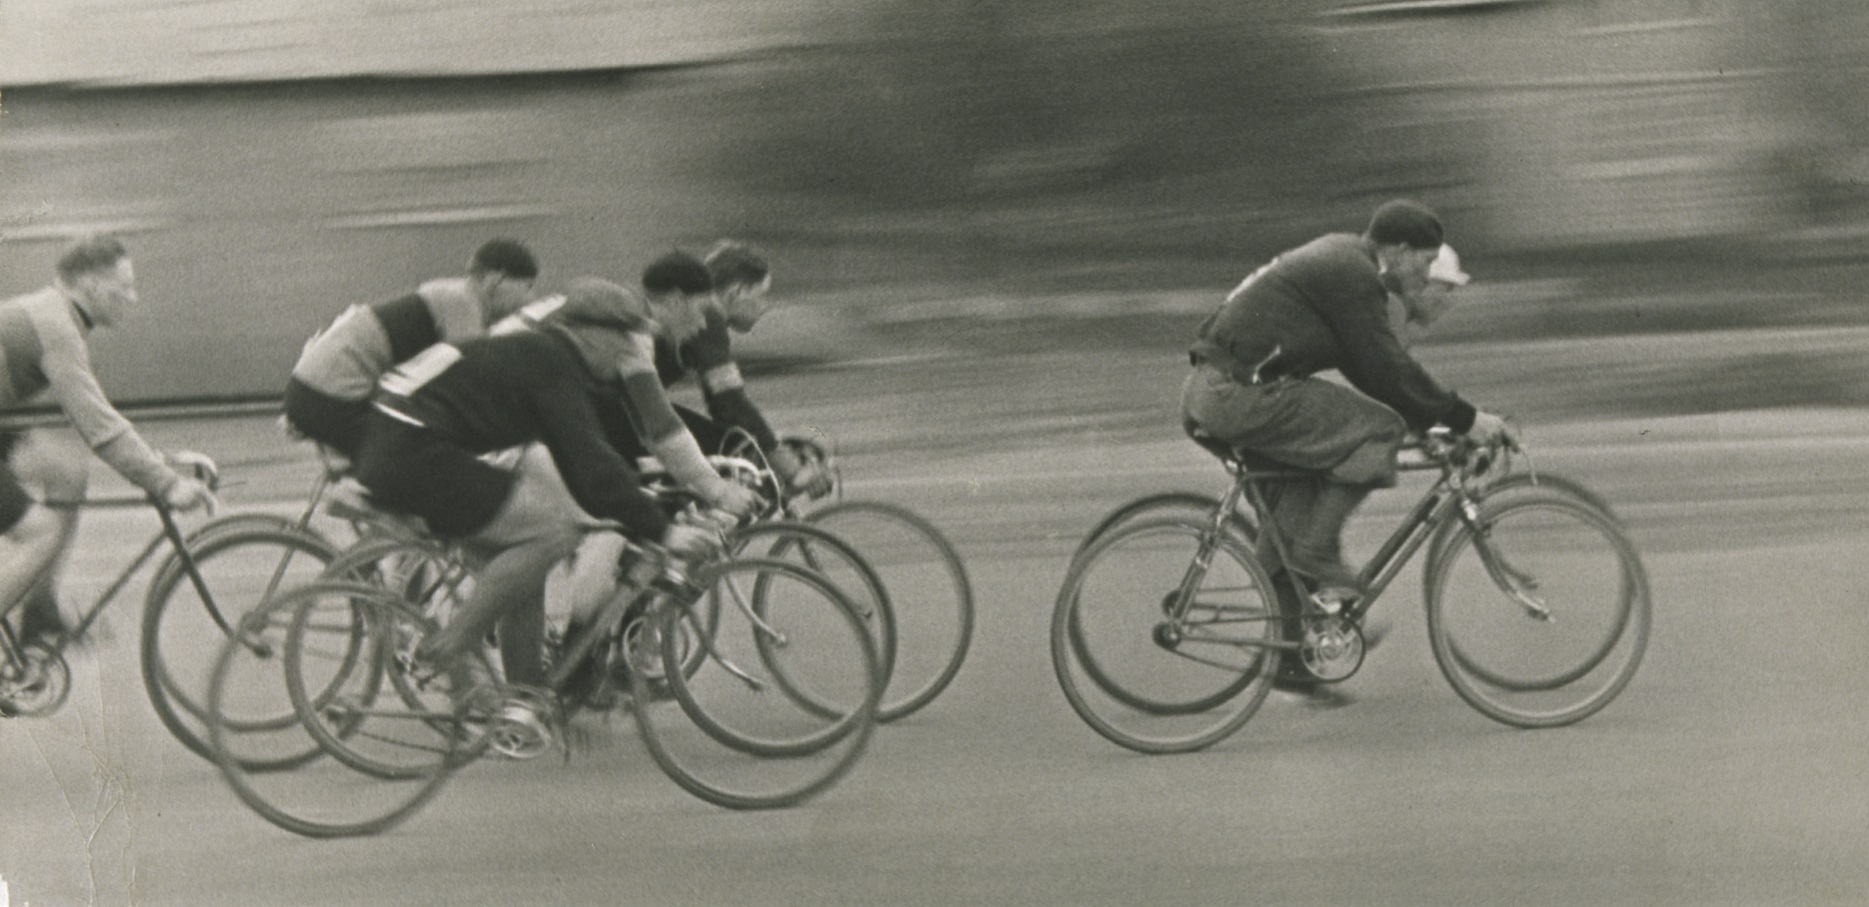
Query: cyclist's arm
x: 1378, y: 365
x: 67, y: 366
x: 656, y: 423
x: 722, y: 387
x: 598, y: 477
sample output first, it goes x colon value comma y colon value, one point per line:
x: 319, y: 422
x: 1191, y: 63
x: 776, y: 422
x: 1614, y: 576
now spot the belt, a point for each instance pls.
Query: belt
x: 1266, y: 372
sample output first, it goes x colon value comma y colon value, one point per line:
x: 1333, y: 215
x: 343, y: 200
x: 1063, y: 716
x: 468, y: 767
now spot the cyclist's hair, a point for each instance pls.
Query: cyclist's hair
x: 677, y: 271
x: 93, y: 253
x: 732, y: 262
x: 507, y: 256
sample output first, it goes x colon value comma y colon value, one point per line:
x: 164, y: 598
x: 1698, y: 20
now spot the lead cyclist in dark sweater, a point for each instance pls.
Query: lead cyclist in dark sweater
x: 437, y: 414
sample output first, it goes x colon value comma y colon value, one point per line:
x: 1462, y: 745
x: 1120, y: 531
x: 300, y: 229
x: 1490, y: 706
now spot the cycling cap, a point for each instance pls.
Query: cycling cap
x: 1446, y: 267
x: 594, y: 302
x: 677, y: 271
x: 1408, y: 223
x: 507, y: 256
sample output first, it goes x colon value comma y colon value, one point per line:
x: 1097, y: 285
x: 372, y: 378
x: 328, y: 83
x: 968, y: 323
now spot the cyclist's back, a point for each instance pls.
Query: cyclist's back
x: 328, y: 393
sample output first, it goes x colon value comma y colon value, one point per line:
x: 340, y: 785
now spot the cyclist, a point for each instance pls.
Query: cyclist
x: 1324, y: 306
x: 44, y: 349
x: 437, y: 414
x: 742, y: 278
x: 328, y: 393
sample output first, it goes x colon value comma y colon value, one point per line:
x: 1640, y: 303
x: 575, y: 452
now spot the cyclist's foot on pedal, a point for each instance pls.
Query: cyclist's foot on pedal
x: 1330, y: 578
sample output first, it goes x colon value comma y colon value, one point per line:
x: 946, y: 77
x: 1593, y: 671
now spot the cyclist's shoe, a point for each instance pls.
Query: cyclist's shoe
x: 1330, y: 578
x: 587, y: 686
x: 42, y: 622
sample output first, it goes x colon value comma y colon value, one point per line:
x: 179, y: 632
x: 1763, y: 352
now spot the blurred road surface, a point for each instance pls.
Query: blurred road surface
x: 1735, y: 770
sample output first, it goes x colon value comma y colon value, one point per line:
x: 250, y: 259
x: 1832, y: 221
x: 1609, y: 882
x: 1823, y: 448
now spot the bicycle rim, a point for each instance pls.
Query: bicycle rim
x: 732, y: 735
x: 1558, y: 552
x: 327, y: 797
x: 820, y: 550
x: 241, y: 565
x: 1153, y: 668
x: 929, y: 594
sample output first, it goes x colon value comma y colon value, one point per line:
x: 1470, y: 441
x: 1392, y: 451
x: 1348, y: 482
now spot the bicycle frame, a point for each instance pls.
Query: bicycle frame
x: 171, y: 533
x: 1448, y: 498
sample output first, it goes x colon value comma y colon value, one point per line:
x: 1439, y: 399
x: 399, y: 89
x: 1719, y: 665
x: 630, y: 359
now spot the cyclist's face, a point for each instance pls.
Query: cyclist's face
x: 1427, y: 306
x: 1407, y: 268
x: 745, y: 304
x: 682, y: 315
x: 506, y: 295
x: 108, y: 293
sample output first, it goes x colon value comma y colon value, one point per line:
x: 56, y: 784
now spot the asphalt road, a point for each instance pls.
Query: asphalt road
x: 1734, y: 770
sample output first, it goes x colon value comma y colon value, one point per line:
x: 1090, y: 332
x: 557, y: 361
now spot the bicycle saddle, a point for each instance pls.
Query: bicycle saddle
x: 1227, y: 453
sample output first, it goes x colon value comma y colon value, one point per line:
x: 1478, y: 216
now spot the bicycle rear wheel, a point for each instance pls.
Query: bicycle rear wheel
x: 734, y: 734
x: 1183, y: 504
x: 184, y: 625
x: 930, y: 596
x: 1542, y: 617
x: 337, y: 643
x: 1157, y: 652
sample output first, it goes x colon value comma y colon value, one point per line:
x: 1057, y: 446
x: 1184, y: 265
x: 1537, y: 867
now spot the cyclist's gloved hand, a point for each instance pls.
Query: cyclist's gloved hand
x: 1493, y: 431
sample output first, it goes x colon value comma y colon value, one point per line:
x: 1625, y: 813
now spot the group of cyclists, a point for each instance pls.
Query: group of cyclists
x: 508, y: 422
x: 421, y: 394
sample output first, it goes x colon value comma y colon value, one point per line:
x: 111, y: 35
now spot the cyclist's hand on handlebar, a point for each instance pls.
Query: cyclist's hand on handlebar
x: 198, y: 466
x: 685, y: 541
x: 737, y: 500
x: 1493, y: 431
x: 799, y: 475
x: 188, y: 494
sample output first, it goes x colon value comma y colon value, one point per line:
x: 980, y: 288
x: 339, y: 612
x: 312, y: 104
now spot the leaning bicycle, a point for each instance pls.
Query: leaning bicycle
x: 1169, y: 630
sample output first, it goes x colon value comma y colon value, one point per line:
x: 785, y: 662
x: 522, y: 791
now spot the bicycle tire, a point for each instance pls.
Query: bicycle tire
x: 1564, y: 553
x: 720, y: 739
x: 1511, y: 484
x: 930, y: 596
x: 1166, y: 503
x: 819, y: 549
x: 242, y: 565
x: 315, y: 800
x: 1132, y: 579
x: 423, y: 573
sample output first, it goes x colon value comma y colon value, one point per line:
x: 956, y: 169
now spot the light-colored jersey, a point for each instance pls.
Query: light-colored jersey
x: 44, y: 353
x: 344, y: 360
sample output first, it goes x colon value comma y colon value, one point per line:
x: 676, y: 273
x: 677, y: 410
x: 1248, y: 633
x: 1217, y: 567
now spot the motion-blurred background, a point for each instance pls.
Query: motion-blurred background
x: 1659, y: 169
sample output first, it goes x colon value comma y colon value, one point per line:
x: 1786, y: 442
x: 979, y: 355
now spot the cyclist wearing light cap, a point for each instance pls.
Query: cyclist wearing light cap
x: 1322, y: 306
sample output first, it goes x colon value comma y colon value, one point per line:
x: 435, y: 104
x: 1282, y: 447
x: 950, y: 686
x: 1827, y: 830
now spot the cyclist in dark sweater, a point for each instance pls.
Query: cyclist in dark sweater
x: 437, y: 414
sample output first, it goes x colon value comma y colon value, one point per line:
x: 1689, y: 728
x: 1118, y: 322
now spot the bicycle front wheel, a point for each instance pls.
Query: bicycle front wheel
x: 929, y: 594
x: 821, y: 550
x: 737, y: 734
x: 330, y: 647
x: 184, y: 624
x: 1160, y: 648
x: 1541, y: 617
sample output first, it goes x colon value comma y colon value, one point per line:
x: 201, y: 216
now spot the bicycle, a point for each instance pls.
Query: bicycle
x: 35, y: 677
x: 246, y: 546
x: 1543, y: 626
x: 926, y: 584
x: 718, y: 734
